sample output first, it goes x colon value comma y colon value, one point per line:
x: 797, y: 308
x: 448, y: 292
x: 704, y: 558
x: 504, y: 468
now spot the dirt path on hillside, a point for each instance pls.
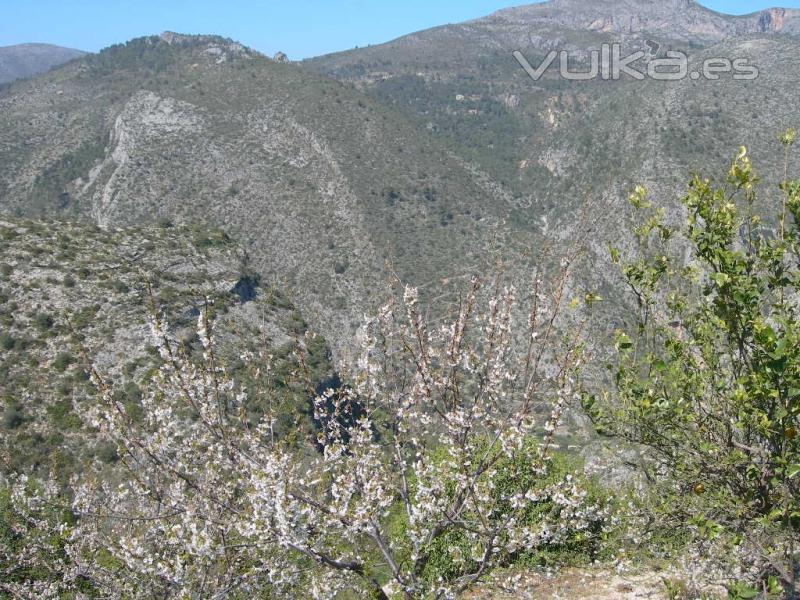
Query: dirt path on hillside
x: 578, y: 584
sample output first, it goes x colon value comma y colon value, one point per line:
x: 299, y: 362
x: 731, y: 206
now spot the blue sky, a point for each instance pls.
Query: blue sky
x: 301, y: 28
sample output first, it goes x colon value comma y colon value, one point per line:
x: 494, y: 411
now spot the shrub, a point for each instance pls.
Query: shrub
x: 107, y: 452
x: 62, y: 361
x: 432, y: 419
x: 296, y: 323
x: 82, y: 318
x: 708, y: 379
x: 7, y: 342
x: 28, y: 551
x: 120, y: 286
x: 13, y: 417
x: 43, y: 322
x: 62, y: 415
x: 568, y: 546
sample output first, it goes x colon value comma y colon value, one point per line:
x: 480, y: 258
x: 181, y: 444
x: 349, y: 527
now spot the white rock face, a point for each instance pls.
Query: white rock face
x: 147, y: 119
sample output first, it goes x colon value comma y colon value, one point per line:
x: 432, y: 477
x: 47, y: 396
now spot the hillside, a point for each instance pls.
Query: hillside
x: 71, y: 294
x: 685, y: 20
x: 464, y: 84
x: 323, y: 184
x: 431, y: 152
x: 27, y: 60
x: 562, y: 24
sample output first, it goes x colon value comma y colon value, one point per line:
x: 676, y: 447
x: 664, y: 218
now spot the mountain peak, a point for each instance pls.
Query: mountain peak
x: 170, y: 37
x: 678, y: 19
x: 580, y: 4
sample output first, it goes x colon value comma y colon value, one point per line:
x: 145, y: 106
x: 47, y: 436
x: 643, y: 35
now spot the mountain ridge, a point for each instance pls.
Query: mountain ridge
x: 678, y: 18
x: 421, y: 159
x: 543, y: 26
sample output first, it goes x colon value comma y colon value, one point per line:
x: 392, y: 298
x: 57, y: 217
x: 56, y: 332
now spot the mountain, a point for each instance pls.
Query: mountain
x: 27, y: 60
x: 323, y: 184
x: 562, y: 24
x: 463, y: 83
x: 674, y: 19
x: 562, y: 148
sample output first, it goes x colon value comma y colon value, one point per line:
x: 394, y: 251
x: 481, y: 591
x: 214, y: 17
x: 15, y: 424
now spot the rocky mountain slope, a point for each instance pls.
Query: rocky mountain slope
x: 463, y: 82
x: 555, y: 145
x: 27, y: 60
x: 673, y: 19
x: 562, y: 24
x: 323, y: 184
x: 72, y: 294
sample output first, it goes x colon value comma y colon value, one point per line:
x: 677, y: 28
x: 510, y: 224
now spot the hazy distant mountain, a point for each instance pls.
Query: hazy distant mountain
x: 566, y: 24
x: 26, y: 60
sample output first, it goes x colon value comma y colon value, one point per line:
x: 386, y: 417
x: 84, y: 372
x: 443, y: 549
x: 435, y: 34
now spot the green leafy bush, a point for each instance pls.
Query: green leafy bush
x: 707, y: 380
x: 13, y: 417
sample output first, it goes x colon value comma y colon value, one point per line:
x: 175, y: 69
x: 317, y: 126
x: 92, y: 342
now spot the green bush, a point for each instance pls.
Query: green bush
x: 107, y: 452
x: 296, y: 323
x: 7, y: 342
x: 120, y: 286
x: 82, y: 318
x: 62, y: 361
x: 13, y: 417
x: 62, y: 415
x: 43, y: 322
x: 707, y: 380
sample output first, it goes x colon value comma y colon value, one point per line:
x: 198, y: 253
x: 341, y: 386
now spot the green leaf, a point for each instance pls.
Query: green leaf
x: 741, y: 591
x: 624, y: 341
x: 721, y: 279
